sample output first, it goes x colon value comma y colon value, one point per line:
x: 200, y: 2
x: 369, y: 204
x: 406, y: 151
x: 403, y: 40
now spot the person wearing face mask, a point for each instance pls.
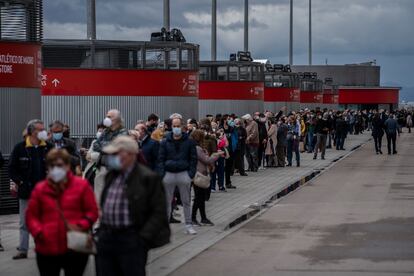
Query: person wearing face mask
x: 26, y: 168
x: 58, y: 140
x: 252, y: 142
x: 113, y: 128
x: 92, y: 157
x: 177, y: 164
x: 60, y: 203
x: 148, y: 146
x: 322, y: 129
x: 134, y: 217
x: 241, y: 146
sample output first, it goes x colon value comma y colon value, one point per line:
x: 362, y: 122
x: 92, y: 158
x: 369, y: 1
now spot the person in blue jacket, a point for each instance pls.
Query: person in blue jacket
x: 148, y: 146
x: 177, y: 164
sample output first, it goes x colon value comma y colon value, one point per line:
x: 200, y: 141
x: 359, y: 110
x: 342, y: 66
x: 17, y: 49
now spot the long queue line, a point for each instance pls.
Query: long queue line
x: 119, y: 204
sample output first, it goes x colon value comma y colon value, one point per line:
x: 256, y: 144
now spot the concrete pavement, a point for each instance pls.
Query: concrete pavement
x: 355, y: 219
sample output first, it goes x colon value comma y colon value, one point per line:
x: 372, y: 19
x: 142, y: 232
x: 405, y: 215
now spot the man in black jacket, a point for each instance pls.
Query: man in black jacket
x: 26, y: 168
x: 321, y: 130
x: 340, y: 131
x: 177, y: 163
x: 60, y: 142
x: 261, y: 123
x: 134, y: 217
x: 148, y: 146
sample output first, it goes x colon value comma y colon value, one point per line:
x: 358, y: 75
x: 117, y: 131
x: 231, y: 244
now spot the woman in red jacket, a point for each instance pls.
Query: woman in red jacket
x: 61, y: 193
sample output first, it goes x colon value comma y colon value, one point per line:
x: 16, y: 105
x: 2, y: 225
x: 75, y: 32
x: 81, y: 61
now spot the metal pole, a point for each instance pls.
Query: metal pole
x: 310, y: 32
x: 291, y: 34
x: 91, y: 19
x: 167, y: 14
x: 214, y: 30
x: 246, y: 25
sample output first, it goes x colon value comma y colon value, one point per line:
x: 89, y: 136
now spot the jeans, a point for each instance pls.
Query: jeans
x: 218, y: 174
x: 121, y: 253
x: 340, y: 140
x: 320, y: 145
x: 73, y: 264
x: 24, y: 233
x: 309, y: 143
x: 293, y: 146
x: 182, y: 181
x: 252, y: 157
x: 391, y: 139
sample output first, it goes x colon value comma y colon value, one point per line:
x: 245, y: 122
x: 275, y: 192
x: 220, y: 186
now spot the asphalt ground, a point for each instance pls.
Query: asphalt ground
x: 357, y: 218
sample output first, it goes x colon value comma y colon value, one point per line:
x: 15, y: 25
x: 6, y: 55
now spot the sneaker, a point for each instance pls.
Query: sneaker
x: 206, y: 222
x: 213, y: 190
x: 231, y: 187
x: 189, y: 230
x: 314, y: 158
x: 323, y: 158
x: 244, y: 174
x: 195, y: 222
x: 20, y: 255
x: 1, y: 248
x: 222, y: 189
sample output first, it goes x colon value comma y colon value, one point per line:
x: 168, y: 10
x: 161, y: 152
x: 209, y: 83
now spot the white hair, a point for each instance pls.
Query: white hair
x: 176, y: 116
x: 247, y: 117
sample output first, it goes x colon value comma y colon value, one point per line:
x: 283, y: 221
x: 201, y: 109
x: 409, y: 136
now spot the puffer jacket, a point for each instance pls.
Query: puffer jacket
x: 45, y: 222
x: 177, y: 155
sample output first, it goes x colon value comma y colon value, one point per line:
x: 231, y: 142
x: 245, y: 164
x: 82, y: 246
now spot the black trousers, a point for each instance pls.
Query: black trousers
x: 239, y: 161
x: 378, y: 143
x: 229, y: 169
x: 260, y: 155
x: 73, y: 264
x: 200, y: 198
x: 120, y: 253
x: 391, y: 139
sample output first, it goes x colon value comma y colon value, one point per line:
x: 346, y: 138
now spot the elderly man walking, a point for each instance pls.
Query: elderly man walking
x: 252, y: 142
x: 177, y: 163
x: 134, y: 217
x: 114, y: 128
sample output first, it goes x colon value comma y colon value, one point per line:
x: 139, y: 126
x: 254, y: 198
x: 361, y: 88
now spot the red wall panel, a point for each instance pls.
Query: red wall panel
x: 100, y: 82
x: 368, y: 95
x: 279, y: 94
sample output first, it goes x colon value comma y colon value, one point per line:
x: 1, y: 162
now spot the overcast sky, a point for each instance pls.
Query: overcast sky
x: 344, y: 31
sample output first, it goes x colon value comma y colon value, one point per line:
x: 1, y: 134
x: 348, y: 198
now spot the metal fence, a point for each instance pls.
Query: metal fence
x: 103, y: 54
x: 21, y: 20
x: 8, y: 204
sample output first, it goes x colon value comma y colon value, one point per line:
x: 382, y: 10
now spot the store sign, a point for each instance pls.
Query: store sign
x: 102, y: 82
x: 20, y: 65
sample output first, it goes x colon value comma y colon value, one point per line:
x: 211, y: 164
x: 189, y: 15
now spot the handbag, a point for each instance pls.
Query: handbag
x: 78, y: 241
x: 201, y: 180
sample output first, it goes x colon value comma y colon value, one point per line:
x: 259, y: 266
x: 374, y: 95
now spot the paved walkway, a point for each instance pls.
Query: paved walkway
x: 355, y: 219
x: 223, y: 209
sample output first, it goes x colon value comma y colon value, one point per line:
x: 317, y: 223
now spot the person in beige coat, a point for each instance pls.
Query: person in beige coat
x: 270, y: 151
x: 252, y: 142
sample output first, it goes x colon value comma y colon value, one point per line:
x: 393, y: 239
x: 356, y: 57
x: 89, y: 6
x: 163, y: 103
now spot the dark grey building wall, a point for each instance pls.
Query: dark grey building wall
x: 17, y: 107
x: 345, y: 75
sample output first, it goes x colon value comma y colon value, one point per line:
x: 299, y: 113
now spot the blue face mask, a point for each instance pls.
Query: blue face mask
x: 176, y: 131
x: 57, y: 136
x: 230, y: 123
x: 113, y: 162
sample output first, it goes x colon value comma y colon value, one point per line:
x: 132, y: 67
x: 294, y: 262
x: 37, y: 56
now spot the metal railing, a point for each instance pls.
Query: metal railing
x: 104, y: 54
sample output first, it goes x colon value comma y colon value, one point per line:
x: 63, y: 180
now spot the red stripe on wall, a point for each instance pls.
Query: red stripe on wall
x: 368, y: 95
x: 311, y: 97
x: 281, y: 94
x: 100, y: 82
x: 231, y: 90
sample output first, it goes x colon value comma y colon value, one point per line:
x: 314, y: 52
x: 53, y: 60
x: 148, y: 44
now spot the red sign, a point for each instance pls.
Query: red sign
x: 101, y: 82
x: 231, y: 90
x: 20, y: 64
x: 281, y: 94
x: 311, y: 97
x: 369, y: 95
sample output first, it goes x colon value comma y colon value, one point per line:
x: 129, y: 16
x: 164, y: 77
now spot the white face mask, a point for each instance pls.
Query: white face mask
x: 42, y: 135
x: 107, y: 122
x: 57, y: 174
x: 98, y: 134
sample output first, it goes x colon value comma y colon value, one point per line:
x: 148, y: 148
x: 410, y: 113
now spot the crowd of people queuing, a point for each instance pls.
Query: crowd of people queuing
x: 128, y: 191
